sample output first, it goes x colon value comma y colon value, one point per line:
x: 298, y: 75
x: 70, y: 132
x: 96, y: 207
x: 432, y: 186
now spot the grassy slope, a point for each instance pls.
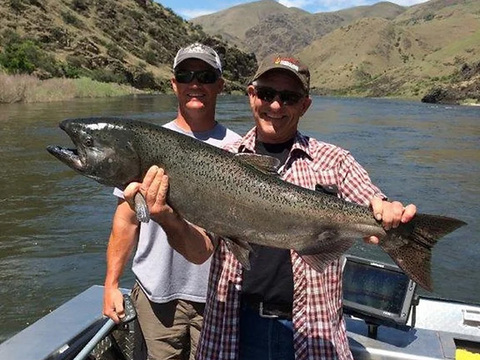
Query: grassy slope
x: 376, y: 50
x: 403, y: 57
x: 233, y: 23
x: 134, y: 41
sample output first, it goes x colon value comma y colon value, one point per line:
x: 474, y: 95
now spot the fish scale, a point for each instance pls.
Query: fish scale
x: 237, y: 197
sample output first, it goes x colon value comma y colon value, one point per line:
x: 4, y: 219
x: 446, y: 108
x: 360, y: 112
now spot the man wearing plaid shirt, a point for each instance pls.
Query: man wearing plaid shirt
x: 281, y: 308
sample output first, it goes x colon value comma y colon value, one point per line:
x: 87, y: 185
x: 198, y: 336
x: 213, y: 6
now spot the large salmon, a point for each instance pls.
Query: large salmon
x: 237, y: 196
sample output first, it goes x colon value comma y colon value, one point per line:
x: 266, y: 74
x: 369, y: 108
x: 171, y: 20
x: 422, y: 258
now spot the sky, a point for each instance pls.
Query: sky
x: 192, y: 8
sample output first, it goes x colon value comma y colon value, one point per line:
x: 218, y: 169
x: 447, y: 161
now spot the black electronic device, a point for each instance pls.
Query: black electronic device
x: 377, y: 292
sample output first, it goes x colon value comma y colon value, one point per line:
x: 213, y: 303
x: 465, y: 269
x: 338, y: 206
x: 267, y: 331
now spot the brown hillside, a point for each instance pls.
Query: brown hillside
x: 378, y: 50
x: 265, y: 26
x: 384, y: 9
x: 233, y: 23
x: 130, y: 41
x: 401, y: 57
x: 357, y: 53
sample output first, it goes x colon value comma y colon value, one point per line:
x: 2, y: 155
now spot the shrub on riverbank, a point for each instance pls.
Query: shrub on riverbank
x: 28, y: 88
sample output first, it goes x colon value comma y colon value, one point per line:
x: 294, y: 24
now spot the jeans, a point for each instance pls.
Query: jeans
x: 265, y: 339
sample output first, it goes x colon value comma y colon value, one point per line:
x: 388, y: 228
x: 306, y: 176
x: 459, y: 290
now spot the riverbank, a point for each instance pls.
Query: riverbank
x: 30, y: 89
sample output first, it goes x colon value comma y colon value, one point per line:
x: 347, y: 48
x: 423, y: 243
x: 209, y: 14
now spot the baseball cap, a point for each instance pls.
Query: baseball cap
x: 201, y: 52
x: 285, y: 62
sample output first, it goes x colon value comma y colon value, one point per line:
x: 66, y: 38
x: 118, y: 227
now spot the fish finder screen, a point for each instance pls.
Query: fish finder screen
x: 376, y: 287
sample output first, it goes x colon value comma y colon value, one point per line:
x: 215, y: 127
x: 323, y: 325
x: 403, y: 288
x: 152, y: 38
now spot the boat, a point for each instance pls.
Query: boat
x: 381, y: 324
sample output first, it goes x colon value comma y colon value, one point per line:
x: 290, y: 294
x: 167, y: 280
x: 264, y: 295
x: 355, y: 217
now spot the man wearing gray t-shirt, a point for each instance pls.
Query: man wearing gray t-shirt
x: 170, y: 292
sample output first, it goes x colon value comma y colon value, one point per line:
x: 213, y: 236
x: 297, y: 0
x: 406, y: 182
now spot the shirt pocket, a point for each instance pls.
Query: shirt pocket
x: 327, y: 182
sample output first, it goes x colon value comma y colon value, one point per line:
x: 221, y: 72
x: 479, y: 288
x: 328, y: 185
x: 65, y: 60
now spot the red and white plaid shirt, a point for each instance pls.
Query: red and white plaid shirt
x: 319, y: 327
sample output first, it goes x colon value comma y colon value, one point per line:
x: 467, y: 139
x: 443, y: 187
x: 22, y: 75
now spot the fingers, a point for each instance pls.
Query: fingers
x: 113, y: 305
x: 119, y: 309
x: 162, y: 189
x: 377, y: 207
x: 146, y: 187
x: 392, y: 214
x: 153, y: 181
x: 155, y: 188
x: 409, y: 213
x: 129, y: 193
x: 372, y: 240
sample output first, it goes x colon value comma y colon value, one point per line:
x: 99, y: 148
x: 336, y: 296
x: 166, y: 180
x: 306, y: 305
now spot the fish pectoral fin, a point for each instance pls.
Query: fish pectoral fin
x: 141, y: 208
x: 264, y: 163
x: 241, y: 249
x: 321, y: 256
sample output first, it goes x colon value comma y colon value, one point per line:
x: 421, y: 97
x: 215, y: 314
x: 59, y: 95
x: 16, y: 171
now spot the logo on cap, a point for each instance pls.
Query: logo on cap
x: 288, y: 62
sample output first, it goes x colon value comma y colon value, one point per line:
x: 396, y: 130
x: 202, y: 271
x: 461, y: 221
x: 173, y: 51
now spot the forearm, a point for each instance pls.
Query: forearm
x: 189, y: 240
x: 122, y: 241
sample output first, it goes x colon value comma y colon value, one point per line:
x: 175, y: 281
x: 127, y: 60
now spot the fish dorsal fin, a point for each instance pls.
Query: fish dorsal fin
x: 264, y: 163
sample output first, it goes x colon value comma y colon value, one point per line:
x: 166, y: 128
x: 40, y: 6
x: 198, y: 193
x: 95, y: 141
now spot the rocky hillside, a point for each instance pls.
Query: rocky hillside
x: 266, y: 25
x: 378, y: 50
x: 124, y: 41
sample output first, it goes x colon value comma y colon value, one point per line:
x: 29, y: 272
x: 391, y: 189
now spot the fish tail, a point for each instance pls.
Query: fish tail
x: 410, y: 245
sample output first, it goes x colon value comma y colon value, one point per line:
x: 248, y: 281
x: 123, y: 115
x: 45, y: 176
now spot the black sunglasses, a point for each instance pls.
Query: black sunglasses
x: 203, y: 76
x: 286, y: 97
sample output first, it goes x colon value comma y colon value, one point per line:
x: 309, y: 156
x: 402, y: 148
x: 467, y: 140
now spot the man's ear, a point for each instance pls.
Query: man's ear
x: 174, y: 85
x: 221, y: 85
x: 251, y: 95
x: 306, y: 104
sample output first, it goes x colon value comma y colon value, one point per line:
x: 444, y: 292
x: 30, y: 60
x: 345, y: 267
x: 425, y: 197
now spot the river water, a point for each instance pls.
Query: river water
x: 54, y: 223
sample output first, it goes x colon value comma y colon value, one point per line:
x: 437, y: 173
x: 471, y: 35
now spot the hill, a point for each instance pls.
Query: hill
x: 266, y: 25
x: 237, y: 23
x: 378, y: 50
x: 429, y: 51
x: 123, y: 41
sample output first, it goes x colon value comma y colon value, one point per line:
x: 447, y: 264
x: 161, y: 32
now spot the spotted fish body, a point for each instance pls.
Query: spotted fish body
x: 231, y: 196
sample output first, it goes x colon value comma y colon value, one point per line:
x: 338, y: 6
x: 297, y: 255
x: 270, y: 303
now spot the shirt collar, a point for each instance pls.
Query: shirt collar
x: 300, y: 143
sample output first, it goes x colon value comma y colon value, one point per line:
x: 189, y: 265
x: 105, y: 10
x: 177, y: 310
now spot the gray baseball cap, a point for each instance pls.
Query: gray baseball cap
x: 201, y: 52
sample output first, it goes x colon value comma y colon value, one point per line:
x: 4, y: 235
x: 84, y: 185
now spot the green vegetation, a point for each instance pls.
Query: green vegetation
x: 28, y: 88
x: 378, y: 50
x: 129, y: 42
x: 71, y: 19
x: 23, y: 56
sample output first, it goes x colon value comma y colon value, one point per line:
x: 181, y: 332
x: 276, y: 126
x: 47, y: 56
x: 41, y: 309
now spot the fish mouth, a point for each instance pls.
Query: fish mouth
x: 67, y: 156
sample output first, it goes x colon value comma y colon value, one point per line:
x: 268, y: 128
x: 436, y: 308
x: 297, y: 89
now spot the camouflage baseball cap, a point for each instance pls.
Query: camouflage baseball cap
x: 285, y: 62
x: 201, y: 52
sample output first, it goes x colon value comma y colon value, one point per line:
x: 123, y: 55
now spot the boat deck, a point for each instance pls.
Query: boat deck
x: 55, y: 335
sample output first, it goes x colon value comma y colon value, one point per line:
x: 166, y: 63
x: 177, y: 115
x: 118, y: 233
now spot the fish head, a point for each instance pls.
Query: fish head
x: 104, y: 151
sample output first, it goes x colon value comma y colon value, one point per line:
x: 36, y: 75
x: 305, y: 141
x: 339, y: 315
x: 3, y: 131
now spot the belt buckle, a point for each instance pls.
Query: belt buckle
x: 260, y: 312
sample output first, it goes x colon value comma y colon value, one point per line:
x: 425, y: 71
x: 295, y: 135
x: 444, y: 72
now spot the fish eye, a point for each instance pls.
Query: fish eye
x: 88, y: 141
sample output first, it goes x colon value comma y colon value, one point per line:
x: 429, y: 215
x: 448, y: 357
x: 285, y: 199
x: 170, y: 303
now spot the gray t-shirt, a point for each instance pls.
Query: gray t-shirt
x: 162, y: 272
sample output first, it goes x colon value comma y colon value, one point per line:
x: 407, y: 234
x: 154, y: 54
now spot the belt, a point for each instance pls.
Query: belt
x: 269, y: 310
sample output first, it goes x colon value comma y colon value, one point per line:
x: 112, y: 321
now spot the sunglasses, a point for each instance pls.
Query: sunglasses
x: 203, y: 76
x: 286, y: 97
